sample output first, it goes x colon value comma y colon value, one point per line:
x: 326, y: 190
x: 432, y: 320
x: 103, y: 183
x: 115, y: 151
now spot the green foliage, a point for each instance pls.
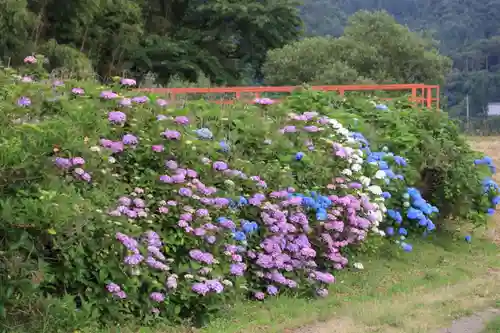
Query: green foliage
x: 63, y: 237
x: 441, y: 159
x: 226, y: 40
x: 398, y: 56
x: 467, y: 32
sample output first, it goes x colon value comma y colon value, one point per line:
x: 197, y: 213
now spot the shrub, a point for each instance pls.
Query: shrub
x: 139, y: 210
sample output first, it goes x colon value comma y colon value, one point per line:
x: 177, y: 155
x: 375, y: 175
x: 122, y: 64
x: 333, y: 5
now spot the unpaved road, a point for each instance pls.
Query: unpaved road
x: 472, y: 324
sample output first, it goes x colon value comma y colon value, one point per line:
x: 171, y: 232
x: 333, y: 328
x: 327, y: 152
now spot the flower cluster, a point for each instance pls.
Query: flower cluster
x: 209, y: 216
x: 73, y: 165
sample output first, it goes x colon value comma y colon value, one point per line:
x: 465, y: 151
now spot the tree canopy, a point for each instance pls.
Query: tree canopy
x: 225, y: 39
x: 398, y: 55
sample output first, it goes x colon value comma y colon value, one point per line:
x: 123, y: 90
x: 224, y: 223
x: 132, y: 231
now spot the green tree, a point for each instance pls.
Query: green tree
x: 374, y: 47
x: 16, y: 26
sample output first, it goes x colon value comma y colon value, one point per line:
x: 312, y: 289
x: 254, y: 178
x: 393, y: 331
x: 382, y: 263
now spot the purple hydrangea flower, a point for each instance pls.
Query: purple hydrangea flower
x: 24, y: 101
x: 117, y: 117
x: 157, y: 297
x: 130, y: 139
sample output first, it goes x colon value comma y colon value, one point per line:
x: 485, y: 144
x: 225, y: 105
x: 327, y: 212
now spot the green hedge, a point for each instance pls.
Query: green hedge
x: 113, y: 212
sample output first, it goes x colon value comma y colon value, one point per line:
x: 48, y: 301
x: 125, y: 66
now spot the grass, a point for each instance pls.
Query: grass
x: 493, y: 326
x: 416, y: 292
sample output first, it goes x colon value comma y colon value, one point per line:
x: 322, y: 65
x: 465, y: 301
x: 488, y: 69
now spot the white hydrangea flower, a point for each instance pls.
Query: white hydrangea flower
x: 335, y: 124
x: 358, y: 159
x: 111, y: 160
x: 358, y: 265
x: 347, y: 172
x: 227, y: 283
x: 95, y: 149
x: 379, y: 216
x: 356, y: 167
x: 343, y: 131
x: 381, y: 233
x: 365, y: 181
x: 382, y: 207
x: 406, y: 204
x: 380, y: 174
x: 375, y: 189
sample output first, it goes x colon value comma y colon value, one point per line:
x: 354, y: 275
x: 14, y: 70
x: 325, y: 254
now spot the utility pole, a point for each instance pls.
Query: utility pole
x: 467, y: 112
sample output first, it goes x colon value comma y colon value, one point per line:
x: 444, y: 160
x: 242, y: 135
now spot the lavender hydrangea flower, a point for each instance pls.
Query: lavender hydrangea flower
x: 181, y: 120
x: 108, y: 95
x: 161, y: 102
x: 128, y: 82
x: 157, y: 297
x: 78, y: 91
x: 126, y: 102
x: 171, y: 135
x: 200, y: 288
x: 24, y: 101
x: 117, y: 117
x: 140, y: 99
x: 129, y: 139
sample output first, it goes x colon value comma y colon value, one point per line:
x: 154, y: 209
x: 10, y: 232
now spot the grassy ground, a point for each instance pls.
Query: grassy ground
x: 493, y: 327
x: 416, y: 292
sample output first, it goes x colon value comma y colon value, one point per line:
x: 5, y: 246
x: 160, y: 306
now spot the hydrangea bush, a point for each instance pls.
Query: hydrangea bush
x: 140, y: 209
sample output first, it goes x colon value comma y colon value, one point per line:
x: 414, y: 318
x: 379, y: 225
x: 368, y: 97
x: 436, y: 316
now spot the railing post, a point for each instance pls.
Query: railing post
x: 429, y: 97
x: 438, y: 96
x: 413, y: 94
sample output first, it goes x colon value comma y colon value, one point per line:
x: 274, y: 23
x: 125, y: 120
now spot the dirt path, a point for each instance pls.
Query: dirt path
x: 454, y: 306
x: 472, y: 324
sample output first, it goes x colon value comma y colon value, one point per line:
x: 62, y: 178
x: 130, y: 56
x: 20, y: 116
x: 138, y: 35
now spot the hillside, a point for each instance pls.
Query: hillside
x: 467, y: 32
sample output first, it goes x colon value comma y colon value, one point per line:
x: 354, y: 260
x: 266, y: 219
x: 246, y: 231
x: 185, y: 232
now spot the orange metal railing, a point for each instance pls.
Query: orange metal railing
x: 425, y: 95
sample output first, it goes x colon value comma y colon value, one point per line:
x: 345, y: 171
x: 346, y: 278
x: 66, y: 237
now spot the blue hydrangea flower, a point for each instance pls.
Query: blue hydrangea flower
x: 406, y: 247
x: 321, y: 214
x: 381, y: 107
x: 239, y: 236
x: 204, y: 133
x: 224, y: 147
x: 386, y: 195
x: 395, y: 215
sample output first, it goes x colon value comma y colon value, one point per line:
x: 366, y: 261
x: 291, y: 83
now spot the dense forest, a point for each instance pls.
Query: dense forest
x: 225, y: 40
x: 468, y: 32
x: 228, y: 41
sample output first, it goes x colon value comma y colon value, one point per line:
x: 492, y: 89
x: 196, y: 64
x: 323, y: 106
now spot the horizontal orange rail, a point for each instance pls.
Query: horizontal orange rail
x: 425, y: 95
